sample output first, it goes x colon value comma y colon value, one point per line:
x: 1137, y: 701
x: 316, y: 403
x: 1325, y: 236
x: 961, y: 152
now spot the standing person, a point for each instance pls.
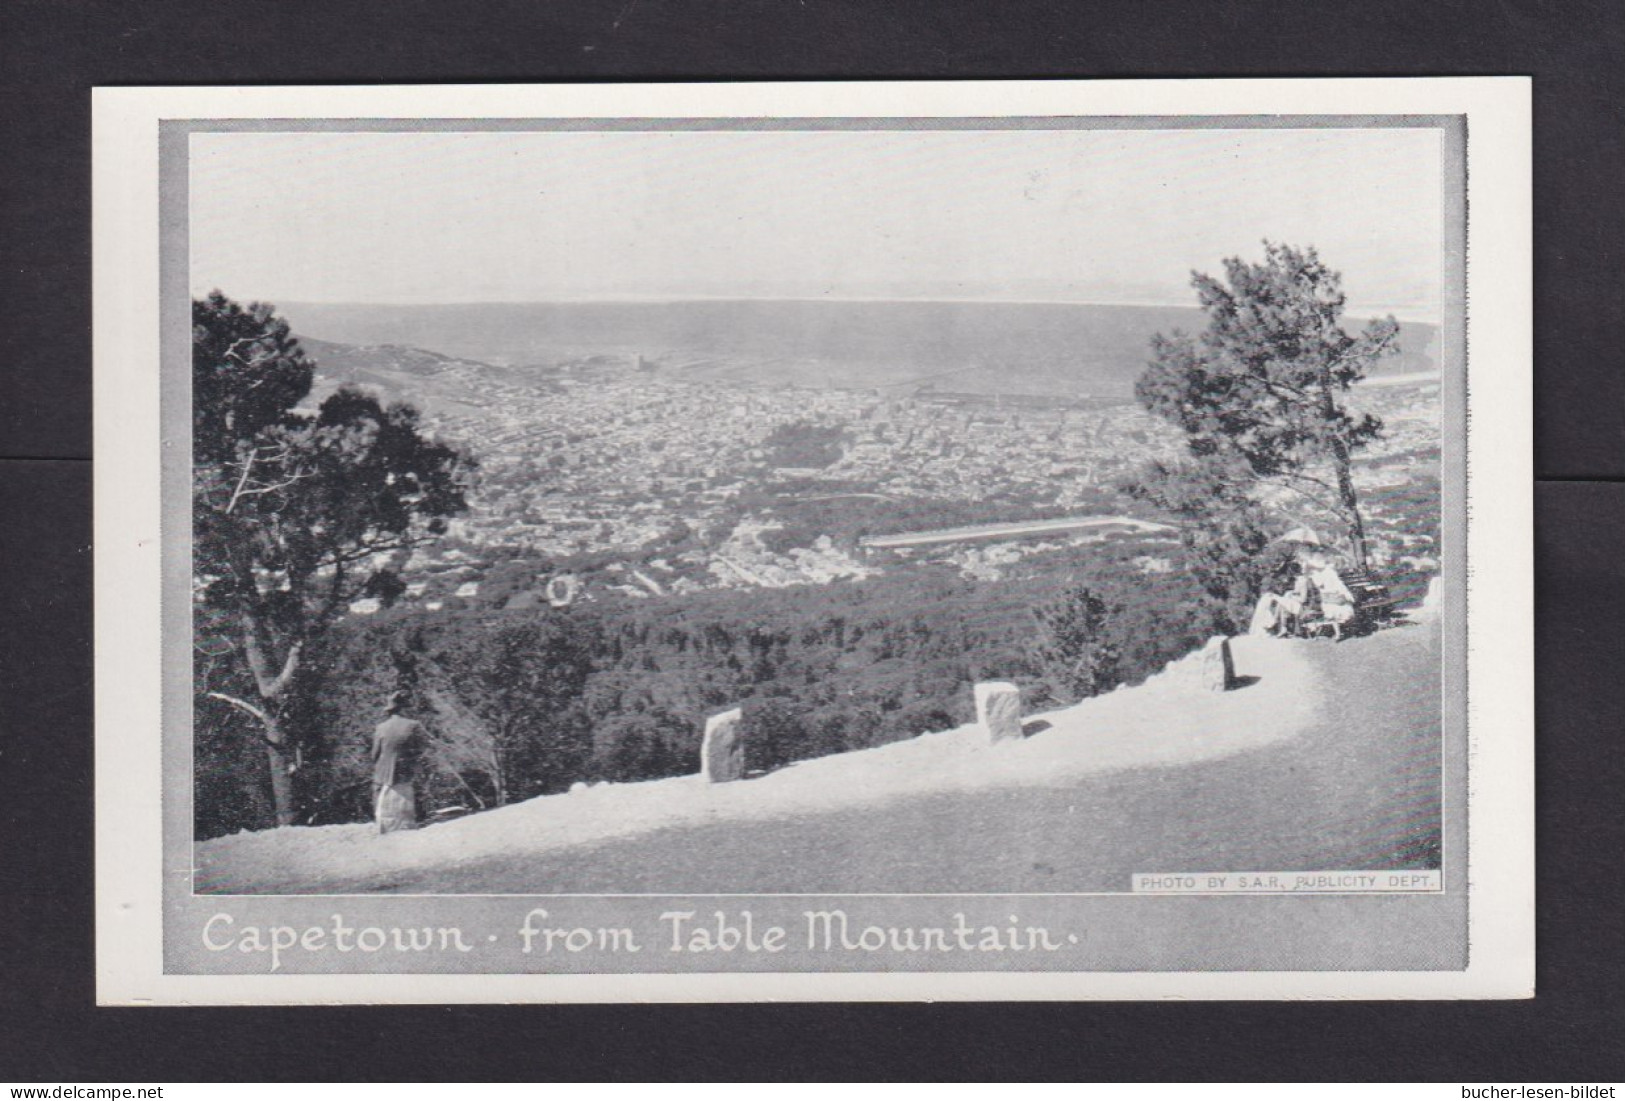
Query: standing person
x: 397, y: 745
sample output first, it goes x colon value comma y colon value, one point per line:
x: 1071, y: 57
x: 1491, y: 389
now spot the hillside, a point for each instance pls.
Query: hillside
x: 1061, y: 349
x: 432, y: 382
x: 1303, y: 769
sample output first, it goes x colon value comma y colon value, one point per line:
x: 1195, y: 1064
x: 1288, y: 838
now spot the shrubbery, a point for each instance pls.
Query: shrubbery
x: 1076, y: 648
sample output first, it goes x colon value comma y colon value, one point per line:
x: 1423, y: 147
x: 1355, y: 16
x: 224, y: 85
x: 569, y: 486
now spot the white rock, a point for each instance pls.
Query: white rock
x: 998, y: 709
x: 722, y: 752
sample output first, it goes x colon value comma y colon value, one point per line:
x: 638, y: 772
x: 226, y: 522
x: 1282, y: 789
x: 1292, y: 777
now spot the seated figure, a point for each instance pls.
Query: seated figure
x: 1337, y: 604
x: 1281, y: 613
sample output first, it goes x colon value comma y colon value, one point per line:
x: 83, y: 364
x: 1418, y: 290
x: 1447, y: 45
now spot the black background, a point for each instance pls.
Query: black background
x: 53, y: 51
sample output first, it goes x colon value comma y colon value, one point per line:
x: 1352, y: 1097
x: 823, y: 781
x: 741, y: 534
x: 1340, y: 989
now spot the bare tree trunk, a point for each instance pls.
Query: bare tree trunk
x: 273, y: 687
x: 1342, y: 460
x: 499, y: 774
x: 1351, y: 504
x: 281, y: 759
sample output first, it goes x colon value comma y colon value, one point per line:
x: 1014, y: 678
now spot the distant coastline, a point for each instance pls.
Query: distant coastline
x: 1416, y: 314
x: 985, y: 345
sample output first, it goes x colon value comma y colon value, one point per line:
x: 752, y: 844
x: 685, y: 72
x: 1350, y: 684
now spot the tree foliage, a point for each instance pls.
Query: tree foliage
x: 1078, y: 655
x: 1225, y: 532
x: 805, y: 443
x: 518, y: 688
x: 1261, y: 389
x: 296, y: 512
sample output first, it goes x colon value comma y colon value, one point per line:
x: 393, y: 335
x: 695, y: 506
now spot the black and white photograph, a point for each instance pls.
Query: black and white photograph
x: 792, y: 545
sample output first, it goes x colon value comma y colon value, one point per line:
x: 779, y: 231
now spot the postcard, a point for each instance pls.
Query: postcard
x: 927, y: 541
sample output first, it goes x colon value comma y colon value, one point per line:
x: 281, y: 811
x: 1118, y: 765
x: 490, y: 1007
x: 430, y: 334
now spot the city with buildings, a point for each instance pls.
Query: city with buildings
x: 643, y: 480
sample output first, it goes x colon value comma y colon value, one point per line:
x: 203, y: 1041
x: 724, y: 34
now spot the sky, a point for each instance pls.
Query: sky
x: 1037, y: 215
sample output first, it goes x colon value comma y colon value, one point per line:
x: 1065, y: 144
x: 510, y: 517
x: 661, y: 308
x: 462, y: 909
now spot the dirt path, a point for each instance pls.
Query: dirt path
x: 1357, y: 791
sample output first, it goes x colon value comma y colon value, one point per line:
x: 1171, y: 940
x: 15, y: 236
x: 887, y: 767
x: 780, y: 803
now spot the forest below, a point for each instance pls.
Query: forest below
x: 530, y: 702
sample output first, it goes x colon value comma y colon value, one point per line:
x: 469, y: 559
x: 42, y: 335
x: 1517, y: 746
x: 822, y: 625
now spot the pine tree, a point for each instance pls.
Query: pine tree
x: 1265, y: 382
x: 296, y: 513
x: 1074, y: 649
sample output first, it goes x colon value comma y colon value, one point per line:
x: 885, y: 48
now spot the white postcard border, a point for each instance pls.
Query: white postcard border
x: 128, y: 442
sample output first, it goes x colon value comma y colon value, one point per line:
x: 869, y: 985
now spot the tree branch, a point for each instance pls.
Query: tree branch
x: 241, y: 705
x: 404, y: 542
x: 1307, y: 478
x: 1360, y: 350
x: 232, y: 352
x: 1306, y: 495
x: 248, y: 466
x: 270, y: 487
x: 289, y: 666
x: 1290, y: 390
x: 472, y: 794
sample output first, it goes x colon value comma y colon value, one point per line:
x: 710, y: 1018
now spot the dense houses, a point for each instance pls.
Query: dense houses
x: 606, y: 461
